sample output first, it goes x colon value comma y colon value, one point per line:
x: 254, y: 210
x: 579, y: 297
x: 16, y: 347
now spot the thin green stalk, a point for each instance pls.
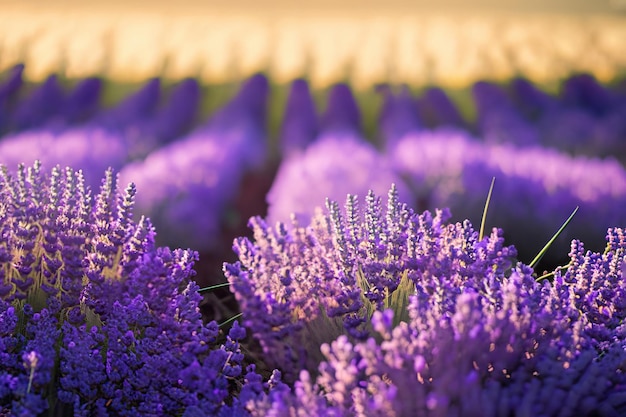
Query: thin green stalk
x: 550, y: 274
x: 213, y: 287
x: 233, y: 318
x: 484, y: 219
x: 543, y: 251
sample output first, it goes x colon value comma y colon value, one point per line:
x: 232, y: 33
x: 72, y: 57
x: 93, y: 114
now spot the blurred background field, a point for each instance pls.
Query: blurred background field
x: 450, y: 44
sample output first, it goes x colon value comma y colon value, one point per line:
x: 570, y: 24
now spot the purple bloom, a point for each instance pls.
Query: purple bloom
x: 498, y: 121
x: 305, y: 180
x: 536, y: 188
x: 435, y: 109
x: 584, y: 91
x: 93, y: 316
x: 342, y: 114
x: 572, y: 130
x: 483, y: 342
x: 40, y: 107
x: 300, y: 287
x: 299, y: 125
x: 12, y: 83
x: 83, y: 101
x: 177, y: 115
x: 133, y: 108
x: 9, y: 89
x: 91, y: 150
x: 398, y: 116
x: 188, y: 184
x: 530, y: 100
x: 247, y: 110
x: 163, y: 124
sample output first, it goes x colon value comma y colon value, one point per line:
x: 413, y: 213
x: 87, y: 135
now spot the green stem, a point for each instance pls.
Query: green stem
x: 235, y: 317
x: 213, y: 287
x: 484, y: 219
x: 543, y: 251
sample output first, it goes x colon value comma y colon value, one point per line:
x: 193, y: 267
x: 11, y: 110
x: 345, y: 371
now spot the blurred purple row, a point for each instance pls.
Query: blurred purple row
x: 549, y: 153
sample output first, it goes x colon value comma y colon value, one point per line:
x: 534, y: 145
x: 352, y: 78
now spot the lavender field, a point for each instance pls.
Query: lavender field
x: 282, y: 211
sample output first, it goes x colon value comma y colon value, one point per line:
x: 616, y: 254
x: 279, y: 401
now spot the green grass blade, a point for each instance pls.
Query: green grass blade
x: 214, y: 287
x: 484, y: 219
x: 534, y: 262
x: 233, y: 318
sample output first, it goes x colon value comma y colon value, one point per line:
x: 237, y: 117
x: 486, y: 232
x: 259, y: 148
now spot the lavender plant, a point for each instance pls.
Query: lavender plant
x: 305, y: 180
x: 9, y: 89
x: 94, y: 318
x: 90, y: 149
x: 398, y: 115
x: 498, y: 121
x: 342, y: 114
x: 39, y: 107
x: 83, y: 101
x: 188, y: 184
x: 301, y: 287
x: 420, y: 317
x: 538, y: 187
x: 435, y: 109
x: 300, y: 121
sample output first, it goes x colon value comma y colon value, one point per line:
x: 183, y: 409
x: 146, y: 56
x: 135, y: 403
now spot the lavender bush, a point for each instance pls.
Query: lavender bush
x: 498, y: 121
x: 337, y: 163
x: 435, y: 109
x: 305, y: 180
x: 389, y: 313
x: 303, y: 286
x: 96, y: 320
x: 398, y: 115
x: 90, y: 149
x: 188, y: 184
x: 39, y: 107
x: 536, y: 187
x: 9, y: 89
x: 300, y: 121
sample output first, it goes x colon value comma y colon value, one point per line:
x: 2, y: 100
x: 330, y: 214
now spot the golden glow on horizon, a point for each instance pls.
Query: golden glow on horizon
x: 452, y: 50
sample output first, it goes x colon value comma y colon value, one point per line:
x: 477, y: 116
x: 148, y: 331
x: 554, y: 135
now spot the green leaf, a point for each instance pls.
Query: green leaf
x: 398, y: 301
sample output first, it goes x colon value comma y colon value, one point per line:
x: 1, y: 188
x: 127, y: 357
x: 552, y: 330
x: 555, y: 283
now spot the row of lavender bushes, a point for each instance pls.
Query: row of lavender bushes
x: 370, y: 310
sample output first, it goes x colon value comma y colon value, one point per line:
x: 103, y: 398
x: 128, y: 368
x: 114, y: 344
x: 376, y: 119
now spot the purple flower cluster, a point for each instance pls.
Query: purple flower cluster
x: 320, y: 168
x: 94, y: 318
x: 398, y: 115
x: 333, y: 166
x: 300, y: 122
x: 586, y: 118
x: 92, y: 150
x: 536, y: 188
x: 498, y: 121
x: 147, y: 124
x: 304, y: 286
x: 420, y: 317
